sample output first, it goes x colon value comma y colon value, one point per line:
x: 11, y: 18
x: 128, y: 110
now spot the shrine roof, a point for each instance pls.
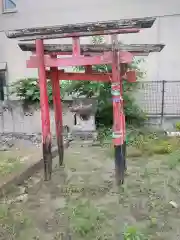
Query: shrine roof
x: 92, y: 48
x: 84, y: 105
x: 80, y: 29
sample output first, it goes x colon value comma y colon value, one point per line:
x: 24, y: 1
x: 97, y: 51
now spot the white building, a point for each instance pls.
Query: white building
x: 32, y: 13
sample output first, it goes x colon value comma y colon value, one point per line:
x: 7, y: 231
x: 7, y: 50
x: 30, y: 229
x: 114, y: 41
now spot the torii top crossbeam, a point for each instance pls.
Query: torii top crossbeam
x: 83, y: 29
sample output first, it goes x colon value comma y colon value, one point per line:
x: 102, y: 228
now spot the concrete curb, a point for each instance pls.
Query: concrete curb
x: 19, y: 177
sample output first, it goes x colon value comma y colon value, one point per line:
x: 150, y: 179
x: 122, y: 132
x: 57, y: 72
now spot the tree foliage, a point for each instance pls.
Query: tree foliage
x: 28, y: 90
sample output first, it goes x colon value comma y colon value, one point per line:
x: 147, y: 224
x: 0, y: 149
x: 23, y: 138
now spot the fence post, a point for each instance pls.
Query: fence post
x: 162, y: 102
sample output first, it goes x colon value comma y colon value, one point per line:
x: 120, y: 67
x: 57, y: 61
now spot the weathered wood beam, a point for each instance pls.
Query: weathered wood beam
x: 74, y: 29
x: 90, y: 48
x: 82, y: 34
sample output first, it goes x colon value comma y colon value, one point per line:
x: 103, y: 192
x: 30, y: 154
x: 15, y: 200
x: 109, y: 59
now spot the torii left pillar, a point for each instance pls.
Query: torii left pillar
x: 45, y: 118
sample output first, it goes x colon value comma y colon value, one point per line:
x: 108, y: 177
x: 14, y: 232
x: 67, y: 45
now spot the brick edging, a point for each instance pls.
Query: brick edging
x: 26, y: 173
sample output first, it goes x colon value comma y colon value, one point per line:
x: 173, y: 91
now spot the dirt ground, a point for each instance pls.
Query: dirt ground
x: 83, y: 201
x: 13, y: 159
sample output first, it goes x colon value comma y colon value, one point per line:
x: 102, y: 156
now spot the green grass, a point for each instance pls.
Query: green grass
x: 138, y: 210
x: 152, y: 183
x: 12, y: 222
x: 88, y: 222
x: 132, y: 233
x: 173, y: 159
x: 86, y: 219
x: 148, y: 145
x: 8, y: 164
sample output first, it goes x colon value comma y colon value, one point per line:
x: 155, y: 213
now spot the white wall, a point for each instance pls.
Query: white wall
x: 15, y: 119
x: 163, y: 65
x: 45, y: 12
x: 30, y: 13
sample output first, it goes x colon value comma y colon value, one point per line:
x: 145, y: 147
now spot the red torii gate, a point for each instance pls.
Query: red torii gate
x: 116, y: 54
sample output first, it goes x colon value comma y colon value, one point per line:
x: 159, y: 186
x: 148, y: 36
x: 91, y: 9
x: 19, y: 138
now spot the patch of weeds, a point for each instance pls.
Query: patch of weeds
x: 131, y: 233
x: 151, y: 146
x: 177, y: 126
x: 21, y: 218
x: 4, y: 210
x: 110, y: 151
x: 153, y: 222
x: 153, y: 142
x: 86, y: 220
x: 104, y: 135
x: 12, y: 222
x: 144, y: 142
x: 124, y: 193
x: 146, y: 173
x: 9, y: 165
x: 162, y: 147
x: 173, y: 159
x: 133, y: 152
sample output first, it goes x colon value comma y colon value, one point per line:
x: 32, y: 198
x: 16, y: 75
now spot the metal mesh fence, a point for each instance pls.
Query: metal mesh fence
x: 159, y: 97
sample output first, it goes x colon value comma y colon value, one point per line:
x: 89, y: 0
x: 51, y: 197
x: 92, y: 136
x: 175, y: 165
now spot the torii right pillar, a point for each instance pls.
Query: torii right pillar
x: 118, y: 114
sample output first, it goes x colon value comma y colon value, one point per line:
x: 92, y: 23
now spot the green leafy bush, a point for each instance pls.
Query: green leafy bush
x: 28, y: 90
x: 131, y: 233
x: 177, y: 126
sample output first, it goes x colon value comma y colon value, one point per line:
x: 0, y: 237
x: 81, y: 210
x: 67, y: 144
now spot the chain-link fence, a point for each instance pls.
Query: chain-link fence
x: 159, y: 98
